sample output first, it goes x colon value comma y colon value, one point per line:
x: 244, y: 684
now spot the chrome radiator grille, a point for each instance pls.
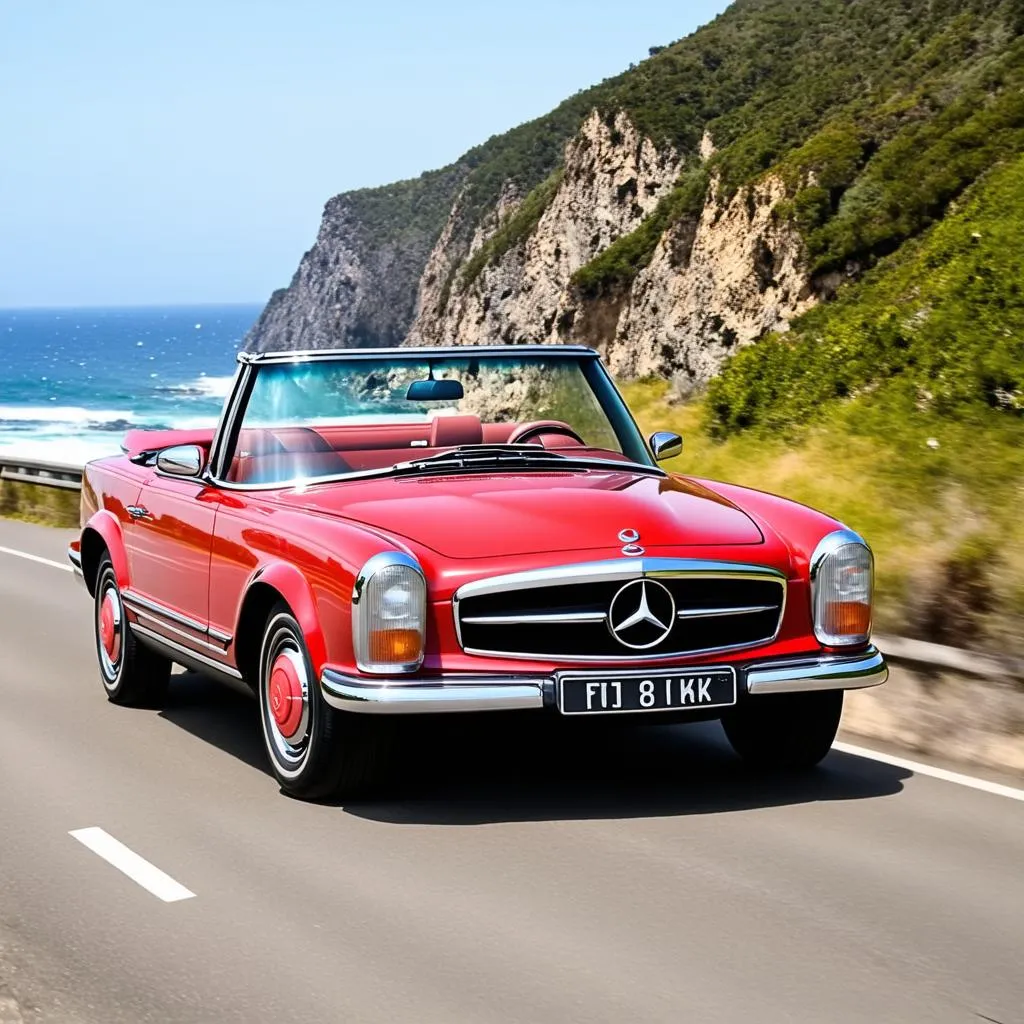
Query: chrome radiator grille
x: 621, y: 610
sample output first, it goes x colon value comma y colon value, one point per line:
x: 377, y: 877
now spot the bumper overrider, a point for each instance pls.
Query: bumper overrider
x: 454, y: 693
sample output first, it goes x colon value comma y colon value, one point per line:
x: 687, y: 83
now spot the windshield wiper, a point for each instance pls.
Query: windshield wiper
x: 487, y: 458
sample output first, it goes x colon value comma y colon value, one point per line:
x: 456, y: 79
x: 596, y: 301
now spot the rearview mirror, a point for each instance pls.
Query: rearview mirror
x: 435, y: 391
x: 666, y: 445
x: 181, y: 460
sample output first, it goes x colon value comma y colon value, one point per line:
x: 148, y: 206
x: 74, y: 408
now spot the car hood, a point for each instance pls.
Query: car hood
x: 478, y: 515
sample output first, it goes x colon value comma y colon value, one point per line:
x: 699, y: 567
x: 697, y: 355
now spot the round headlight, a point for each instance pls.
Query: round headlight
x: 389, y: 614
x: 842, y: 581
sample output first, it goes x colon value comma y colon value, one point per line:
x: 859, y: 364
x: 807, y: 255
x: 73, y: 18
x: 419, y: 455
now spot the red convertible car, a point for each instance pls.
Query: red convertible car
x: 406, y: 532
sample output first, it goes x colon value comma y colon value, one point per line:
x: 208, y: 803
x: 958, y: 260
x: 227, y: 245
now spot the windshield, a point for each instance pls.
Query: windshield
x: 328, y: 417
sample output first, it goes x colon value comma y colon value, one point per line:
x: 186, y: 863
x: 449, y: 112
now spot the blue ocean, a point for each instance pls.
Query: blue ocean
x: 72, y: 381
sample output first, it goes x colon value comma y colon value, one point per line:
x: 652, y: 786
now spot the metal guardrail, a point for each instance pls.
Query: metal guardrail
x: 901, y: 650
x: 898, y: 649
x: 40, y: 472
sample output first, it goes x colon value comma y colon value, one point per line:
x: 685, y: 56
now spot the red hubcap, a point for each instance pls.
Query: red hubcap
x: 108, y: 627
x: 285, y: 696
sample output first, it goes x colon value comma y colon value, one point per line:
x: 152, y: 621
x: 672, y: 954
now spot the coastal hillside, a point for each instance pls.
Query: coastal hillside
x: 696, y: 203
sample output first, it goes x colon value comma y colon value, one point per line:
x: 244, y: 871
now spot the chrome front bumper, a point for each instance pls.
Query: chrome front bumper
x: 75, y: 558
x: 517, y: 693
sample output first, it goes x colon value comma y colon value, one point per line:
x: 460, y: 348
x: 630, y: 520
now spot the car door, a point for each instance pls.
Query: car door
x: 169, y: 547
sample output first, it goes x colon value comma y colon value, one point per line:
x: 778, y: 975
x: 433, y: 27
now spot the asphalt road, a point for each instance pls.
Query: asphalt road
x: 640, y: 876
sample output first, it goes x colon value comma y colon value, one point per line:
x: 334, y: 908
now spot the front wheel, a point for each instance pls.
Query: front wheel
x: 786, y: 731
x: 314, y: 751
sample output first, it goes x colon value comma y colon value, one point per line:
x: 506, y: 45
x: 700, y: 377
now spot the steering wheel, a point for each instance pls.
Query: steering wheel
x: 527, y: 431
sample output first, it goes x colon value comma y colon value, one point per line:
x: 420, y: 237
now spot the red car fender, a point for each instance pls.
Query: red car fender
x: 297, y: 593
x: 104, y: 528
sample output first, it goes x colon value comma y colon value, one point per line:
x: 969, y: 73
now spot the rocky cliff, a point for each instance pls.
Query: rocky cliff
x: 612, y: 179
x: 714, y: 283
x: 711, y: 285
x: 688, y: 207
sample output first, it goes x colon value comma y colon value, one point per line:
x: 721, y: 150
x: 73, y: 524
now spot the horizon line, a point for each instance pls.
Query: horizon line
x: 130, y: 305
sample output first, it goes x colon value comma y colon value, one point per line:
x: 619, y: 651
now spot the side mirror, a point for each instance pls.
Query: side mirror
x: 181, y: 460
x: 665, y: 445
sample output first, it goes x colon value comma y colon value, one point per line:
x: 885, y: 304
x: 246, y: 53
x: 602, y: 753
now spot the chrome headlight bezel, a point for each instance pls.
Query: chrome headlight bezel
x: 830, y: 548
x: 387, y: 567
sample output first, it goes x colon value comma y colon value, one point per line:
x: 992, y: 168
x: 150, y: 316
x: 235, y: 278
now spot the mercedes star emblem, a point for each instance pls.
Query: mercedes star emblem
x: 641, y: 614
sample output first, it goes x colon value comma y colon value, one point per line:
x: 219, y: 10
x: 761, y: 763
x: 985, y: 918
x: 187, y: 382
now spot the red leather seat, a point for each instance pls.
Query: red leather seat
x: 281, y: 454
x: 452, y: 431
x: 284, y: 466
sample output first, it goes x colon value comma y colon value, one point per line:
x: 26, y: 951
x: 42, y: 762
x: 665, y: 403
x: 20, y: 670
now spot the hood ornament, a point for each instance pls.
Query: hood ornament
x: 629, y: 537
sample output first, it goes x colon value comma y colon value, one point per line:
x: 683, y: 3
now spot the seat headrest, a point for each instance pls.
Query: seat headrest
x: 451, y: 431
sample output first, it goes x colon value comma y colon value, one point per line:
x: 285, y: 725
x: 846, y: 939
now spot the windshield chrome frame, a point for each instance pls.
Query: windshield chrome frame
x: 249, y: 362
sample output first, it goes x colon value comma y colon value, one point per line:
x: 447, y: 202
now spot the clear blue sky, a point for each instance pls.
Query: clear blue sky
x: 181, y: 151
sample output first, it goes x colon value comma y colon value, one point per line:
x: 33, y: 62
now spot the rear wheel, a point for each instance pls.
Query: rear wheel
x: 314, y: 750
x: 132, y: 674
x: 786, y: 731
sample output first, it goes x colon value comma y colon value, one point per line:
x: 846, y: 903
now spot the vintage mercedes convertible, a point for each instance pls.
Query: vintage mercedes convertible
x: 405, y: 532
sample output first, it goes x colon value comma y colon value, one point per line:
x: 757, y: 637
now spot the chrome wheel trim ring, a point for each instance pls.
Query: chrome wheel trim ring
x: 110, y: 661
x: 290, y: 751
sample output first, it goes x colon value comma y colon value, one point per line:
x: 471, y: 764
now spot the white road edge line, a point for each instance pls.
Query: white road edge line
x: 36, y: 558
x: 130, y: 863
x: 936, y: 773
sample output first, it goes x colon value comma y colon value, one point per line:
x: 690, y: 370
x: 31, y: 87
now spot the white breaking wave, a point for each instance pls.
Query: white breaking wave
x: 108, y: 419
x: 71, y: 414
x: 205, y: 387
x: 74, y: 451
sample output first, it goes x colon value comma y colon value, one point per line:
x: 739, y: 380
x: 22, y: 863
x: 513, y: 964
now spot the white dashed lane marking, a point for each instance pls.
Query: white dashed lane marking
x: 137, y: 868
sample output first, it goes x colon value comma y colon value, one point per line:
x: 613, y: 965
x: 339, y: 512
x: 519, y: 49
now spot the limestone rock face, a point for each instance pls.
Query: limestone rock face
x: 613, y: 178
x: 743, y: 278
x: 716, y: 281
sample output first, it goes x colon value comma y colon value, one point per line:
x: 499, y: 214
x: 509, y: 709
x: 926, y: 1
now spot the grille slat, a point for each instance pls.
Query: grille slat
x: 569, y: 621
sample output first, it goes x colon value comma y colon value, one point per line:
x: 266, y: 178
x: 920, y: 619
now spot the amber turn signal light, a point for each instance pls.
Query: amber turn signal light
x: 847, y: 618
x: 394, y: 645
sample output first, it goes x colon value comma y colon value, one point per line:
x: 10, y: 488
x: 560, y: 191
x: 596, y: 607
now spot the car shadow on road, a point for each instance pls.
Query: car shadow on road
x: 482, y: 769
x: 217, y: 714
x: 496, y: 775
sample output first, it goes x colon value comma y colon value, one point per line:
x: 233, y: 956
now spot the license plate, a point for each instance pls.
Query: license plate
x: 583, y: 694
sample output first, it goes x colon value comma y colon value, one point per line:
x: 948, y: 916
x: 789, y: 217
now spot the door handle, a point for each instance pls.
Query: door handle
x: 138, y: 512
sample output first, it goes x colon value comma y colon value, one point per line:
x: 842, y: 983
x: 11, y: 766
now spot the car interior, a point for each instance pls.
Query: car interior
x: 277, y: 454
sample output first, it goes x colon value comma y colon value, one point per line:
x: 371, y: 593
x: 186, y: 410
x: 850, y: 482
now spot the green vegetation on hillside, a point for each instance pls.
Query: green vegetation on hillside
x: 877, y: 114
x: 941, y: 321
x: 616, y: 266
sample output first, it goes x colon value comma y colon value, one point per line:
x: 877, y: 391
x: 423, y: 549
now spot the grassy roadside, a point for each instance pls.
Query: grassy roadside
x: 49, y: 506
x: 943, y: 520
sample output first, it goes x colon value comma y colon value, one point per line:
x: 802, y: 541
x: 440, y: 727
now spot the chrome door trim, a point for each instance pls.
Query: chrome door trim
x: 179, y: 649
x: 130, y: 597
x: 170, y: 620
